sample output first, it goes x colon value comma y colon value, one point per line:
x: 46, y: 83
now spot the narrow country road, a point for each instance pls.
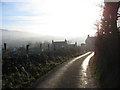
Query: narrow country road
x: 71, y: 74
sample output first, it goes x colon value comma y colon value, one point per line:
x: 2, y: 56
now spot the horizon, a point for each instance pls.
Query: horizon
x: 12, y: 36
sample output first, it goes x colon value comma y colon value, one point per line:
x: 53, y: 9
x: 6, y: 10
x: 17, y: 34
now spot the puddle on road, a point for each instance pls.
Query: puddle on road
x: 83, y: 73
x: 86, y: 61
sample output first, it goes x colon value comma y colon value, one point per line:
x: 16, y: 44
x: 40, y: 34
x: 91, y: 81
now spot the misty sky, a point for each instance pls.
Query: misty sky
x: 64, y: 18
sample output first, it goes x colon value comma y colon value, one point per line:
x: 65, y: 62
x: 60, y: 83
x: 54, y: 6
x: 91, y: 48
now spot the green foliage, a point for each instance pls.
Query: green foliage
x: 94, y: 70
x: 107, y: 48
x: 20, y: 71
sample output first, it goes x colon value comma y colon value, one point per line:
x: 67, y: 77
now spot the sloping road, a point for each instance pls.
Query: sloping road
x: 71, y: 74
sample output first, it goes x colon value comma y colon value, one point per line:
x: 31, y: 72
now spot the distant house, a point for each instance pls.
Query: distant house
x: 90, y: 43
x: 72, y: 45
x: 59, y: 44
x: 62, y: 44
x: 83, y: 45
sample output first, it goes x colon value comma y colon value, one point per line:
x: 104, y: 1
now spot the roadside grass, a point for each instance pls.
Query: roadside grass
x: 94, y: 71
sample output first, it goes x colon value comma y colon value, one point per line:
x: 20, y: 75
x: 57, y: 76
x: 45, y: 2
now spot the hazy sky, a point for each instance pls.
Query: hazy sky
x: 65, y: 18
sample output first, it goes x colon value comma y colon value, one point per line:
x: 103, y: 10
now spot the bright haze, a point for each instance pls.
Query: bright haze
x: 57, y: 18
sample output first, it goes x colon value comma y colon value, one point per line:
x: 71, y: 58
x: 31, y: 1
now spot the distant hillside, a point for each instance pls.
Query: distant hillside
x: 18, y: 38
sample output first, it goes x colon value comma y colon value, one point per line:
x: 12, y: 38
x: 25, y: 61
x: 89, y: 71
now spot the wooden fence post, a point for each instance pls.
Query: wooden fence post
x: 40, y: 47
x: 27, y: 50
x: 5, y: 47
x: 48, y: 46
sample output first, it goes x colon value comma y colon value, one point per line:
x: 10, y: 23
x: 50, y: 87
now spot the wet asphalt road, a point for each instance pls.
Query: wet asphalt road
x: 70, y: 74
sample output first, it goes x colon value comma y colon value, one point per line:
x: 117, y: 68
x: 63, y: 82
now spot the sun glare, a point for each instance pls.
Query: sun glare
x: 66, y: 18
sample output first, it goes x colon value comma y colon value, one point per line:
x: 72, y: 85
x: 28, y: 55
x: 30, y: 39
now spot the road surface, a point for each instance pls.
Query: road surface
x: 71, y: 74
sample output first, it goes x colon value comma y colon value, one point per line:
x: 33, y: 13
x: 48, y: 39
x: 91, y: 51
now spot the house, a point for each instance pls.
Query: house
x: 59, y: 44
x: 90, y: 43
x: 83, y: 45
x: 62, y: 44
x: 72, y: 45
